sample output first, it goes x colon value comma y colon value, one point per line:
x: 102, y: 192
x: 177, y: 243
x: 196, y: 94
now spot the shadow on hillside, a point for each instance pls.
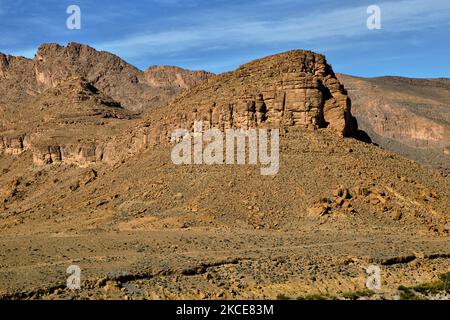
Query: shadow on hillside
x: 358, y: 134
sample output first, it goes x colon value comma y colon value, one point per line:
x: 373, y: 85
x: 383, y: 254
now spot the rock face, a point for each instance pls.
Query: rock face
x: 169, y: 77
x: 17, y: 79
x: 67, y: 103
x: 67, y: 123
x: 296, y: 88
x: 11, y: 145
x: 81, y: 110
x: 407, y: 116
x: 53, y: 64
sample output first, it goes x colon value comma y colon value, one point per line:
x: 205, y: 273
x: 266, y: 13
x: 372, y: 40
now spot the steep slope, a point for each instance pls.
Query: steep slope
x: 67, y: 122
x: 408, y: 116
x: 68, y: 101
x: 193, y: 231
x: 17, y: 80
x: 170, y: 77
x: 296, y: 88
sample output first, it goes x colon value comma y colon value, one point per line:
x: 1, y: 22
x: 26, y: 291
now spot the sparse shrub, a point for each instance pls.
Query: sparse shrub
x: 317, y: 297
x: 354, y: 295
x: 283, y: 297
x: 430, y: 288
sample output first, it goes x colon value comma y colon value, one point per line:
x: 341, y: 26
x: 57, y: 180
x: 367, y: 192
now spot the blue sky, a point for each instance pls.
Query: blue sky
x: 219, y: 35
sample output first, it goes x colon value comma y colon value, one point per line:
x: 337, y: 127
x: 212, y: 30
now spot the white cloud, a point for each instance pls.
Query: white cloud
x: 234, y: 29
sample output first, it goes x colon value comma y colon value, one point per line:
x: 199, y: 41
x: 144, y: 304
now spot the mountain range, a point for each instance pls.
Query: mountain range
x: 87, y: 179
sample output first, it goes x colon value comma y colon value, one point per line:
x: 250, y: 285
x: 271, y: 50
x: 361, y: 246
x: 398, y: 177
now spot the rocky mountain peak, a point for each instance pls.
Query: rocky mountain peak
x: 54, y: 64
x: 296, y: 88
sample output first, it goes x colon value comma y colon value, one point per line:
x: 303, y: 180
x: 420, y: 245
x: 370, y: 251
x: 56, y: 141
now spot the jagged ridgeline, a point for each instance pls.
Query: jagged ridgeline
x: 134, y: 89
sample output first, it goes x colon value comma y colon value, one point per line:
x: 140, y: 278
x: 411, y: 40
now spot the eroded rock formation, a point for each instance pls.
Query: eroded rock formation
x: 79, y: 111
x: 12, y: 145
x: 70, y: 102
x: 296, y: 88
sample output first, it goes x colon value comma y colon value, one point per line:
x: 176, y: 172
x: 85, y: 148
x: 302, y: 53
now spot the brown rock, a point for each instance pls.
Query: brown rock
x: 346, y: 204
x: 318, y: 211
x: 387, y: 116
x: 339, y: 201
x: 396, y: 215
x: 296, y: 88
x: 178, y: 196
x: 361, y: 191
x: 342, y: 192
x: 88, y: 177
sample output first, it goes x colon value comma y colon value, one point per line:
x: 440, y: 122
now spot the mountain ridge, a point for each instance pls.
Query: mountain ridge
x: 122, y: 81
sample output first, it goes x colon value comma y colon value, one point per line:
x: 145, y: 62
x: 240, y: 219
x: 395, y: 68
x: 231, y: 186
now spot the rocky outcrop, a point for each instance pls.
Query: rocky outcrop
x: 71, y: 154
x: 85, y: 153
x: 12, y: 145
x: 69, y: 123
x: 84, y: 119
x: 296, y: 88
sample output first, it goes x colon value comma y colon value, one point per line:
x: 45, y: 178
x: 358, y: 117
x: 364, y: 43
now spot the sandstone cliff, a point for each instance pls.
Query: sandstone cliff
x: 296, y: 88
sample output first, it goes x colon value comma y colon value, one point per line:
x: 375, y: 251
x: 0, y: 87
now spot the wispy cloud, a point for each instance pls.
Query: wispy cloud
x: 229, y: 28
x: 221, y: 34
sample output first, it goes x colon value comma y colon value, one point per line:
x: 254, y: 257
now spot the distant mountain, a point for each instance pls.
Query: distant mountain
x: 407, y: 116
x: 135, y: 90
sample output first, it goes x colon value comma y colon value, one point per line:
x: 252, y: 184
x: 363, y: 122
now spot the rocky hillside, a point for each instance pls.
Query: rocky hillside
x: 170, y: 77
x: 64, y: 122
x: 66, y: 103
x: 408, y: 116
x: 21, y: 78
x: 296, y: 88
x: 292, y: 89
